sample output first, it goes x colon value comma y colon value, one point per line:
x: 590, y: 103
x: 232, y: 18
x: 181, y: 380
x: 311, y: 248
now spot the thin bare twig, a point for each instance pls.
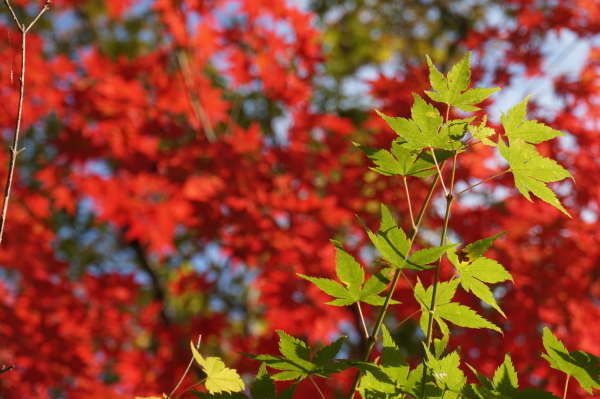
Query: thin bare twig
x: 481, y: 182
x: 362, y: 318
x: 184, y: 65
x: 316, y: 386
x: 186, y: 370
x: 14, y: 150
x: 191, y: 386
x: 399, y: 324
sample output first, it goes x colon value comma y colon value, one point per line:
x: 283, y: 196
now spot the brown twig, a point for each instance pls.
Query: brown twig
x: 186, y: 370
x: 14, y: 151
x: 184, y: 65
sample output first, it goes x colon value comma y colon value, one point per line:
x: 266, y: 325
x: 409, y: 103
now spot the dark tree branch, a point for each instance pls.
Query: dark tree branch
x: 157, y: 287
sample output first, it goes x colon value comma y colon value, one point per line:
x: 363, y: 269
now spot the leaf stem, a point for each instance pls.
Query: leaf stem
x: 412, y: 219
x: 438, y: 170
x: 191, y: 386
x: 566, y: 386
x: 399, y: 324
x: 449, y: 200
x: 186, y: 370
x: 453, y: 172
x: 481, y: 182
x: 362, y: 318
x: 371, y: 339
x: 316, y: 386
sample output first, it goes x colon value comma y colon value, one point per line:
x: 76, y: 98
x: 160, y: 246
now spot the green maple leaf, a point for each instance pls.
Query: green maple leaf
x: 424, y: 130
x: 474, y: 276
x: 584, y: 366
x: 390, y: 240
x: 295, y: 364
x: 414, y: 383
x: 392, y: 243
x: 220, y: 395
x: 482, y: 132
x: 352, y: 275
x: 440, y: 344
x: 483, y: 380
x: 390, y: 377
x: 476, y: 271
x: 448, y: 376
x: 402, y: 161
x: 426, y: 256
x: 474, y: 250
x: 504, y: 385
x: 505, y: 378
x: 531, y: 171
x: 516, y: 127
x: 218, y: 377
x: 453, y: 89
x: 263, y: 386
x: 455, y: 313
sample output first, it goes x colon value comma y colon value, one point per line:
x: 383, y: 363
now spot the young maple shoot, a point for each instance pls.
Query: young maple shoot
x: 426, y: 143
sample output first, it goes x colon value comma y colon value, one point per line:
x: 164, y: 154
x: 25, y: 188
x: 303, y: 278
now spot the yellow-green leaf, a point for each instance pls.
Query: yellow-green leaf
x: 218, y: 377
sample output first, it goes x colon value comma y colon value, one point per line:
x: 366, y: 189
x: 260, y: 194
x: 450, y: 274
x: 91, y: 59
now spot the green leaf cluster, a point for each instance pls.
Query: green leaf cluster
x: 394, y: 246
x: 426, y: 143
x: 295, y: 362
x: 583, y: 366
x: 352, y: 275
x: 475, y: 271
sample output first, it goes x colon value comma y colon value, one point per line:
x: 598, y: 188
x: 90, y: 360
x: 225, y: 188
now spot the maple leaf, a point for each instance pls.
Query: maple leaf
x: 482, y: 132
x: 531, y: 171
x: 584, y: 366
x: 531, y: 131
x: 475, y: 270
x: 455, y: 313
x: 220, y: 395
x: 504, y: 385
x: 424, y: 130
x: 388, y: 380
x: 392, y: 243
x: 263, y: 387
x: 295, y: 362
x: 352, y: 275
x: 453, y: 89
x: 448, y: 376
x: 218, y: 377
x: 402, y: 161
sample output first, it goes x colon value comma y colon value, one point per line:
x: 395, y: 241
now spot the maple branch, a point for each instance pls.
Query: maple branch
x: 157, y: 288
x: 444, y: 290
x: 372, y: 340
x: 481, y: 182
x: 412, y: 220
x: 14, y: 151
x: 449, y: 200
x: 184, y: 65
x: 43, y: 10
x: 186, y: 370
